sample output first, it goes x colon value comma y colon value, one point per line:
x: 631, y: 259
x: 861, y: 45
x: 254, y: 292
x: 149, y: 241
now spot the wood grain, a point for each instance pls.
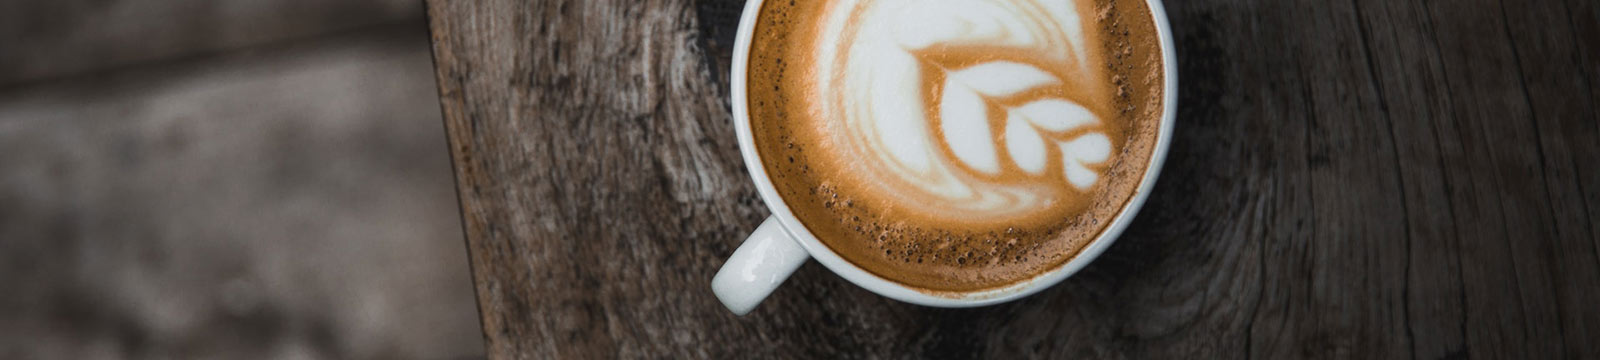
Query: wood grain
x: 1349, y: 179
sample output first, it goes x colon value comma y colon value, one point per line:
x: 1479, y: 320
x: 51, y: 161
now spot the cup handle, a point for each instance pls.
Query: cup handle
x: 765, y: 259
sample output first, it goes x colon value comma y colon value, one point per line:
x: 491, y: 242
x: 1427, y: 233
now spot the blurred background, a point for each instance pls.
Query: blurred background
x: 226, y: 179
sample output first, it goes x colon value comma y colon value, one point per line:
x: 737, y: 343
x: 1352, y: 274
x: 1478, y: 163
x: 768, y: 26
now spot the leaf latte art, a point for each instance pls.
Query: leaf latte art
x: 969, y: 111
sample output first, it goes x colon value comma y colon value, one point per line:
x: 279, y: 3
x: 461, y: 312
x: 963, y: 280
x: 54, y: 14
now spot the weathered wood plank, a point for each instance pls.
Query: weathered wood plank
x: 1410, y: 78
x: 1356, y: 221
x: 1349, y: 179
x: 1506, y: 230
x: 592, y: 154
x: 1567, y: 143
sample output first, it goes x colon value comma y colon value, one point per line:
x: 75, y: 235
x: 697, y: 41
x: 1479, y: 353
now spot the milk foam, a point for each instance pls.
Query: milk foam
x: 984, y: 149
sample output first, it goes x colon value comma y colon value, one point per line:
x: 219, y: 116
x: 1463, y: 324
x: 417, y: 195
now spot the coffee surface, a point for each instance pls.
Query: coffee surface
x: 955, y: 145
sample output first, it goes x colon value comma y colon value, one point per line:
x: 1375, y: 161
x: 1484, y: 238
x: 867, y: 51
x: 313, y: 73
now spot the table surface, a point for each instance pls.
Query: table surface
x: 1365, y: 178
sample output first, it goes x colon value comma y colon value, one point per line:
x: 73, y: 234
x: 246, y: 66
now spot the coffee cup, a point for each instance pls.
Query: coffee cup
x: 782, y: 243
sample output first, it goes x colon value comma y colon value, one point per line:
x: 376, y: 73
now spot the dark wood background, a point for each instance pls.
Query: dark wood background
x: 1349, y: 179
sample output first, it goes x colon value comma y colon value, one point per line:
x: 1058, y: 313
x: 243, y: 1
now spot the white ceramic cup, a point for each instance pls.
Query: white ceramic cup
x: 781, y: 244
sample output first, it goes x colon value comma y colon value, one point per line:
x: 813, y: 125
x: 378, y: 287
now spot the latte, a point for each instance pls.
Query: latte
x: 955, y: 145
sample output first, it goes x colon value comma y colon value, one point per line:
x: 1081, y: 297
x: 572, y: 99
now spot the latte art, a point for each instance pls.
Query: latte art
x: 971, y: 110
x: 954, y: 145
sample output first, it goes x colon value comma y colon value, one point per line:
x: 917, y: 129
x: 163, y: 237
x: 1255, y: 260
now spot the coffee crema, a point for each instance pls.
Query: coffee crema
x: 955, y: 145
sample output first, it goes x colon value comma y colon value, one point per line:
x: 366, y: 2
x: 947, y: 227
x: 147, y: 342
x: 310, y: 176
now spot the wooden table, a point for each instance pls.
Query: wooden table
x: 1350, y: 179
